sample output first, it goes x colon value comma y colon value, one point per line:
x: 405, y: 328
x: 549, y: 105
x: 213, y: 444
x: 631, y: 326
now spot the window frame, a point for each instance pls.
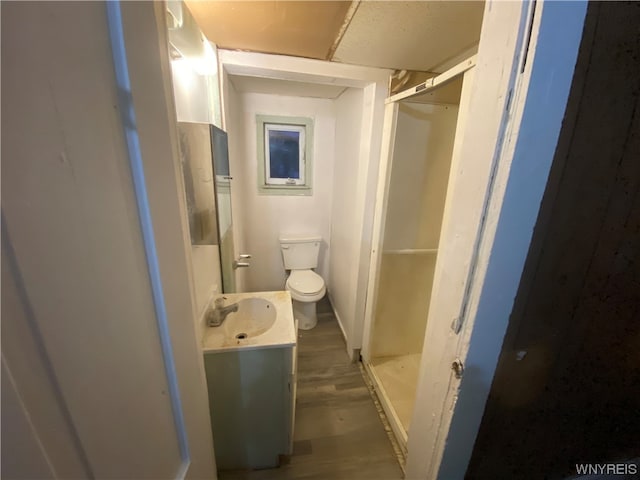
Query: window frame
x: 276, y: 186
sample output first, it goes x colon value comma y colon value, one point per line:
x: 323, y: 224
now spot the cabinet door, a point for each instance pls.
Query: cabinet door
x: 249, y: 400
x: 293, y: 389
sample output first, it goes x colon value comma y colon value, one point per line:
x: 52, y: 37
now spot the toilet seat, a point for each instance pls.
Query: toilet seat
x: 305, y: 282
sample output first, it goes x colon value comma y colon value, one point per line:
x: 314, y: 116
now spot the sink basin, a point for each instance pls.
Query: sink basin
x: 254, y: 317
x: 263, y: 320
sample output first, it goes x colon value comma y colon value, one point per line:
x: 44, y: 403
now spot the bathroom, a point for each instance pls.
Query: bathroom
x: 344, y: 207
x: 96, y: 234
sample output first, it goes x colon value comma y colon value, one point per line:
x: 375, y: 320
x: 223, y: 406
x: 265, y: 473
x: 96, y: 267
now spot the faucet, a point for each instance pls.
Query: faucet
x: 217, y: 315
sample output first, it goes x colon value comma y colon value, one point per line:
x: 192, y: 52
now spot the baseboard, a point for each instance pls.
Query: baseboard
x: 354, y: 353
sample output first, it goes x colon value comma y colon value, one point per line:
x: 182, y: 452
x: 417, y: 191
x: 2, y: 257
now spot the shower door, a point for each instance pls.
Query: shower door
x: 414, y: 178
x: 416, y: 193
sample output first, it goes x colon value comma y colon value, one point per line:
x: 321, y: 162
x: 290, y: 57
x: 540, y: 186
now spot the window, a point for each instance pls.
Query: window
x: 284, y: 155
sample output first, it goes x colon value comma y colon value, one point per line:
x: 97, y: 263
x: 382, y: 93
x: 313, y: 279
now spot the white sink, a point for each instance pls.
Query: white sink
x: 254, y: 317
x: 263, y: 320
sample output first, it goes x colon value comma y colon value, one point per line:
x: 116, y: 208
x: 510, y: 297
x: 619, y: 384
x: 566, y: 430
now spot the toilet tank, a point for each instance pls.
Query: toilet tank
x: 300, y: 252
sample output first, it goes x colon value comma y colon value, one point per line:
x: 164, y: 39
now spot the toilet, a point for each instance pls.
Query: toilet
x: 300, y: 256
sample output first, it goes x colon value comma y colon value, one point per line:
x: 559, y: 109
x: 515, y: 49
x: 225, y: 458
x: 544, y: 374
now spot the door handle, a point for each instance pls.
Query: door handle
x: 237, y: 264
x: 244, y: 255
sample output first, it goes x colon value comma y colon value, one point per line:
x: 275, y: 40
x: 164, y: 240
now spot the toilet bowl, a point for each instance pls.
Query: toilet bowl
x: 300, y: 256
x: 306, y: 288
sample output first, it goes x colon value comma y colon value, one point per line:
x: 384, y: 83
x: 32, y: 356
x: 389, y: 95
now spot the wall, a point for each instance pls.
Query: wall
x: 265, y: 217
x: 359, y: 123
x: 417, y: 190
x: 574, y: 395
x: 404, y: 292
x: 370, y: 152
x: 205, y: 261
x: 232, y: 114
x: 374, y: 85
x: 344, y: 259
x: 194, y: 94
x: 195, y: 101
x: 419, y: 175
x: 80, y: 326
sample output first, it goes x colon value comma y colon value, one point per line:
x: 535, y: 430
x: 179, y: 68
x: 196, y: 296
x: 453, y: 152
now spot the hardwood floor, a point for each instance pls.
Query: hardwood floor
x: 338, y: 433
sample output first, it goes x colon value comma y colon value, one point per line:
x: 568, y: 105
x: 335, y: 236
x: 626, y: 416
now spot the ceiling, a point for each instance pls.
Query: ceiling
x: 418, y: 35
x: 297, y: 28
x: 402, y: 35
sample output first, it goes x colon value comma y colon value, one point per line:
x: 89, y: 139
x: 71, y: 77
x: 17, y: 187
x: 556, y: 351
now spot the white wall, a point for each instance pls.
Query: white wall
x: 265, y: 217
x: 370, y: 150
x: 196, y: 85
x: 359, y: 118
x: 419, y: 175
x: 232, y: 115
x: 344, y: 255
x: 193, y: 93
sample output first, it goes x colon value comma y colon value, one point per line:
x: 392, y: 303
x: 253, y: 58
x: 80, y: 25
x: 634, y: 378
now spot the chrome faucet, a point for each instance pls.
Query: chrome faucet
x: 219, y: 313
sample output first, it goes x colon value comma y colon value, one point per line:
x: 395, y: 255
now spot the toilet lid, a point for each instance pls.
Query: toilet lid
x: 306, y: 282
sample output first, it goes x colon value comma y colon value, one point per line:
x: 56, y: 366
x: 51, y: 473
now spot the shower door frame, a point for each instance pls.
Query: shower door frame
x: 392, y: 104
x: 384, y: 178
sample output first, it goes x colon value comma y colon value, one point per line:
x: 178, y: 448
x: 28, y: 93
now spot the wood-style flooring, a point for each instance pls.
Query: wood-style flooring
x: 338, y: 432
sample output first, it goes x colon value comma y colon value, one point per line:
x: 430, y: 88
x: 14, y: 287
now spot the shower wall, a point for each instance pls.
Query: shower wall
x: 417, y: 190
x: 403, y: 302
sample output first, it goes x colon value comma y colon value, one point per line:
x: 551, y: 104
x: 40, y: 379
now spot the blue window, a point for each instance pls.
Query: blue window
x: 284, y: 159
x: 284, y: 155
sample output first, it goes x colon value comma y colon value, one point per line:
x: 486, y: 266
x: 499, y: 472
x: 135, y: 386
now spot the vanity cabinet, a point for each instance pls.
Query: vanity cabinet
x: 252, y: 405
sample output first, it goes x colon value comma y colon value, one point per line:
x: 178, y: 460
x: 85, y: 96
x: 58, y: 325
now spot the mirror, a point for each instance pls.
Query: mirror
x: 195, y: 157
x: 220, y: 148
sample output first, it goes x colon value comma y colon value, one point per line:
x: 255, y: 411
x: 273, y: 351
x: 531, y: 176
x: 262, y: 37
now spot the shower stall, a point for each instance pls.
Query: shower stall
x: 422, y: 126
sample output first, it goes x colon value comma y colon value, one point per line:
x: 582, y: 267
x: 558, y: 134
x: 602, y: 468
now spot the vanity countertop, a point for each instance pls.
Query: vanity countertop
x: 280, y: 334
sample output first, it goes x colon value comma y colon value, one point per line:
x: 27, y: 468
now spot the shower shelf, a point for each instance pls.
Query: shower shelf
x: 412, y: 251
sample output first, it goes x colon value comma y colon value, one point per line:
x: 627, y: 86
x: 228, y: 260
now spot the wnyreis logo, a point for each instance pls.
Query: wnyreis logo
x: 606, y: 468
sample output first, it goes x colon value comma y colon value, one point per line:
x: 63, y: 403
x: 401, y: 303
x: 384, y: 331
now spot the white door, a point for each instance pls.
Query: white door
x: 526, y: 60
x: 102, y: 373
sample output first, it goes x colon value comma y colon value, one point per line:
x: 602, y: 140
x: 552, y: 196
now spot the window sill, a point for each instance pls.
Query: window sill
x: 295, y: 190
